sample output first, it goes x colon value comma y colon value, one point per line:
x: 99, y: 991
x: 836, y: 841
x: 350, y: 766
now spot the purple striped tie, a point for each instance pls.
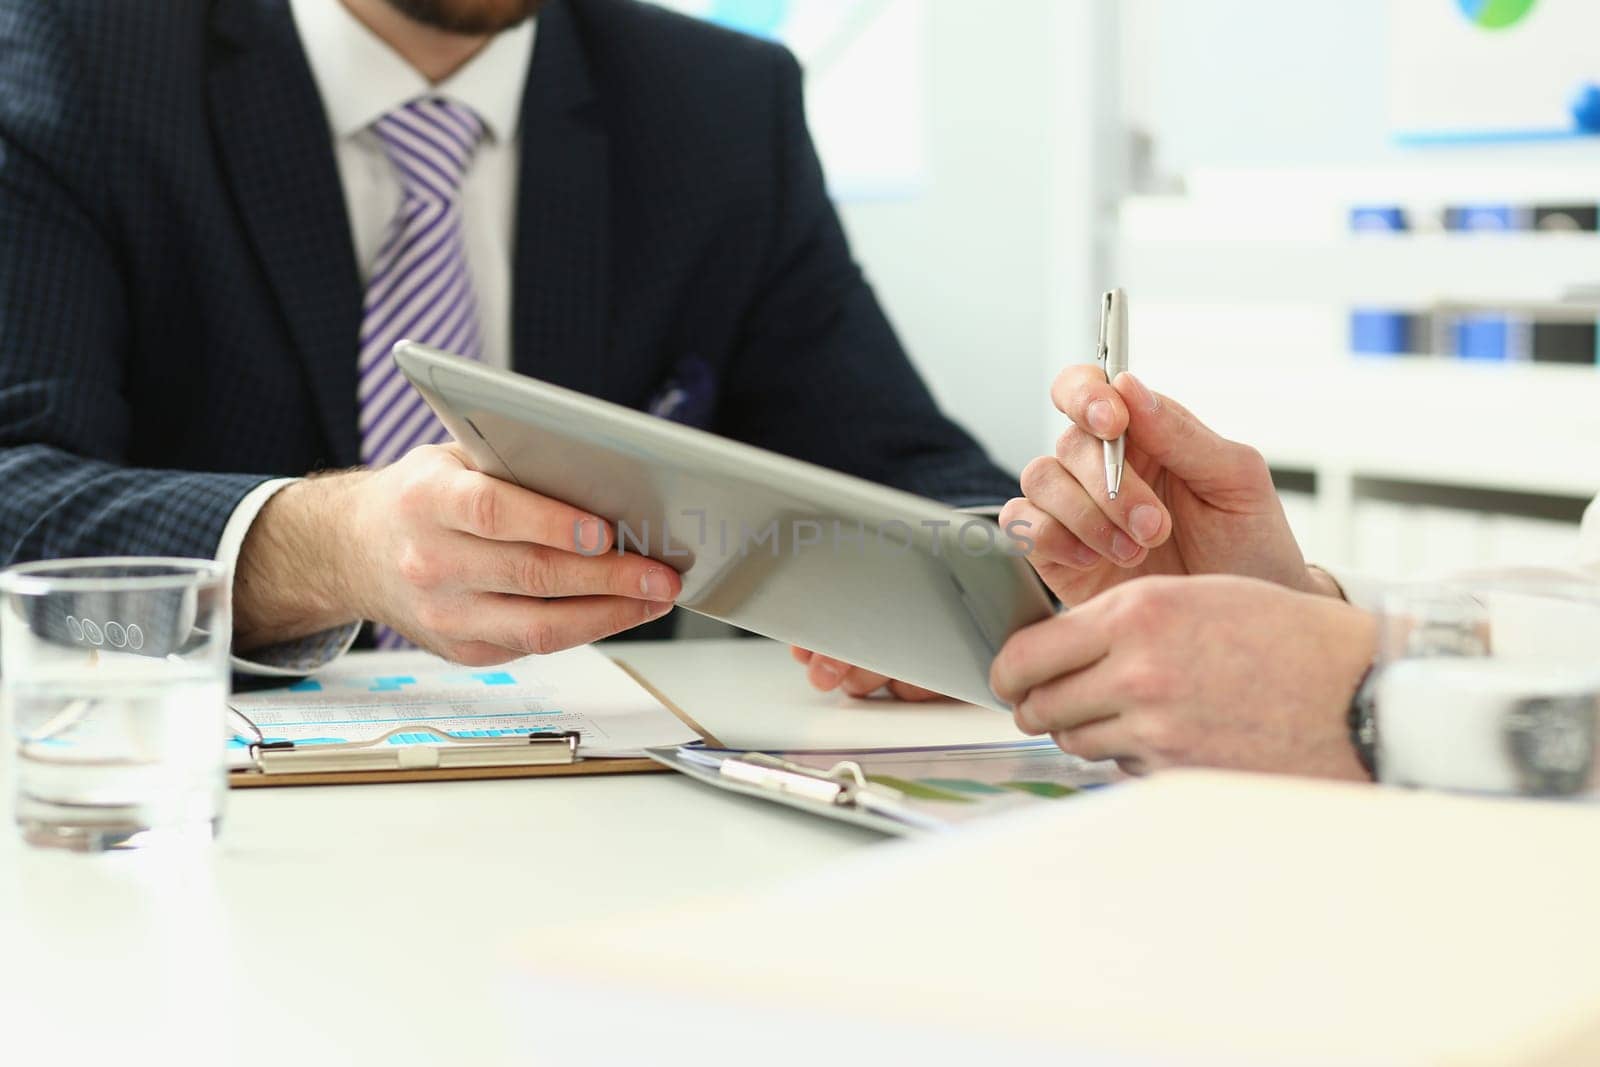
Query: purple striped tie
x: 421, y: 287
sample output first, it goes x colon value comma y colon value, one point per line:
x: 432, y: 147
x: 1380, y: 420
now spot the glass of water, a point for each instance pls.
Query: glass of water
x: 1491, y: 685
x: 115, y: 672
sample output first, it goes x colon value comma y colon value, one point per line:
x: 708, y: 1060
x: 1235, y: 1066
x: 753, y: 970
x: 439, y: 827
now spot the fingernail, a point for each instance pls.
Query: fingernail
x: 591, y: 537
x: 1084, y: 556
x: 1100, y: 416
x: 655, y: 586
x: 1123, y: 547
x: 827, y: 668
x: 1143, y: 398
x: 655, y: 611
x: 1145, y: 522
x: 1022, y: 713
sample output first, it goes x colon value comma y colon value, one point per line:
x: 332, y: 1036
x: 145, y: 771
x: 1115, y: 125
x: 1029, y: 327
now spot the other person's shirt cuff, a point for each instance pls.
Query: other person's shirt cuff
x: 1589, y: 540
x: 288, y: 659
x: 1362, y: 590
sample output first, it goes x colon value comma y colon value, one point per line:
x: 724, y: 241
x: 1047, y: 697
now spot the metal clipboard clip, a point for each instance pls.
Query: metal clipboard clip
x: 843, y: 785
x: 537, y: 748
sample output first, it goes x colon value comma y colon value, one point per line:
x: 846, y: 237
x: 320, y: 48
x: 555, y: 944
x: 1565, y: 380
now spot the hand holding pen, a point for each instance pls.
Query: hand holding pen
x: 1187, y: 501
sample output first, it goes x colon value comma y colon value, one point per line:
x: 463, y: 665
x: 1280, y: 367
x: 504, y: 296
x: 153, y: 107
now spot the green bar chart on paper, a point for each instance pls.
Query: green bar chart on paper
x: 961, y: 783
x: 924, y: 790
x: 967, y: 790
x: 1048, y: 790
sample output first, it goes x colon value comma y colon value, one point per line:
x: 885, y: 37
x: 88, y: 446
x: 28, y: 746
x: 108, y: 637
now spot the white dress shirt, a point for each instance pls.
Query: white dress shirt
x: 361, y: 79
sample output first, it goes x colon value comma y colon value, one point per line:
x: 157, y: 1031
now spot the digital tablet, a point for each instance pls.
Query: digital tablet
x: 876, y: 577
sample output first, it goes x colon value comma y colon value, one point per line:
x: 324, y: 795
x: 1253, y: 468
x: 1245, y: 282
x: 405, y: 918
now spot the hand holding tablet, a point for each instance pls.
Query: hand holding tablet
x: 903, y: 586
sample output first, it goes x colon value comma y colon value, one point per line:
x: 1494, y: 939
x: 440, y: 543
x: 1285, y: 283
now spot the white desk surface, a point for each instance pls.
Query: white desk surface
x: 380, y: 923
x: 1194, y: 918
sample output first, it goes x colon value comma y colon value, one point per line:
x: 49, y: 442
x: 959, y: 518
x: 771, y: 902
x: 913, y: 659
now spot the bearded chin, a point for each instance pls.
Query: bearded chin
x: 468, y: 17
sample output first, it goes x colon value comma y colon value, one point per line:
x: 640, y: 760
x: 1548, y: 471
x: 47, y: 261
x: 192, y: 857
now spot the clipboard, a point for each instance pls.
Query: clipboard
x: 898, y: 791
x: 539, y: 754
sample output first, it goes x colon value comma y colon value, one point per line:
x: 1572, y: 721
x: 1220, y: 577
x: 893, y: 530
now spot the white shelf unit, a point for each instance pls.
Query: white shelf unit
x: 1240, y: 295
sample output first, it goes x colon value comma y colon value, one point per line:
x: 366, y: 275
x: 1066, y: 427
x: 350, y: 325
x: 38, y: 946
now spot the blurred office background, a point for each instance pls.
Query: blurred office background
x: 1358, y: 235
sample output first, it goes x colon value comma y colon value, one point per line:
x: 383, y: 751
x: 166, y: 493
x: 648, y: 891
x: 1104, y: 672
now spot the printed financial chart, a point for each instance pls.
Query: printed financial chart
x: 366, y: 696
x: 358, y: 707
x: 963, y: 783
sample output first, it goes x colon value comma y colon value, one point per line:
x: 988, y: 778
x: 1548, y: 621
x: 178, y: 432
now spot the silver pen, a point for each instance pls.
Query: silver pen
x: 1113, y: 360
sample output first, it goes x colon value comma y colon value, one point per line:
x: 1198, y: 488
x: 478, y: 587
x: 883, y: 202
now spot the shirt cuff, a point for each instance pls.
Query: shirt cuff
x: 1362, y: 590
x: 1589, y: 539
x: 288, y: 659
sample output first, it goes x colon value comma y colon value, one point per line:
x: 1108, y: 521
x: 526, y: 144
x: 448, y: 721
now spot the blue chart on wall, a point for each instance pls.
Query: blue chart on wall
x: 1483, y: 71
x: 760, y: 18
x: 865, y: 79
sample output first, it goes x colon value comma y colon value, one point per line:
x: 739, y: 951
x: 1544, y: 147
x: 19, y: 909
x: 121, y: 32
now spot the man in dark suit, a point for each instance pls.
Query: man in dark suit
x: 219, y: 214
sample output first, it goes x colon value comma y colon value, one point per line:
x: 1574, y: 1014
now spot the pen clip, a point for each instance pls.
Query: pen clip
x: 1102, y: 352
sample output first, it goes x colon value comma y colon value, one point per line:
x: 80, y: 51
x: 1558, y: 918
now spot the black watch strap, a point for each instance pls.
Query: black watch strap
x: 1363, y: 723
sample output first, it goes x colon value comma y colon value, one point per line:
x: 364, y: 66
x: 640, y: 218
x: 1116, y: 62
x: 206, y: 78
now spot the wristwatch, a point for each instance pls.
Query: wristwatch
x: 1362, y: 720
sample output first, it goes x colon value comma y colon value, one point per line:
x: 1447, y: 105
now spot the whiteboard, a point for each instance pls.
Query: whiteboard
x: 866, y: 82
x: 1487, y: 70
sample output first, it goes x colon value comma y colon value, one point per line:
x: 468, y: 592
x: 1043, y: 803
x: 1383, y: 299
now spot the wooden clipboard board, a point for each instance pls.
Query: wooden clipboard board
x: 248, y: 779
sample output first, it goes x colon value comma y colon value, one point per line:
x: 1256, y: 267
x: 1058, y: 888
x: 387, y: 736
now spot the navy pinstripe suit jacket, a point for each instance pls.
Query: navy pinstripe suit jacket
x: 179, y: 300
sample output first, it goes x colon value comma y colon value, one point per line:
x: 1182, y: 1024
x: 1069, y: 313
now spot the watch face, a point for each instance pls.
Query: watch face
x: 1551, y: 742
x: 1448, y: 637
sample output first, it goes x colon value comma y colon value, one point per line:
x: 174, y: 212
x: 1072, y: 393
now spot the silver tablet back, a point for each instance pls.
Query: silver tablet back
x: 883, y: 579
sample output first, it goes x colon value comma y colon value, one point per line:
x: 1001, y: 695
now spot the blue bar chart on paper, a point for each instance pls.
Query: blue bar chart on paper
x: 367, y: 695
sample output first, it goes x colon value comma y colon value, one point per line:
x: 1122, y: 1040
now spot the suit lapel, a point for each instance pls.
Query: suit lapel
x: 560, y: 286
x: 278, y: 154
